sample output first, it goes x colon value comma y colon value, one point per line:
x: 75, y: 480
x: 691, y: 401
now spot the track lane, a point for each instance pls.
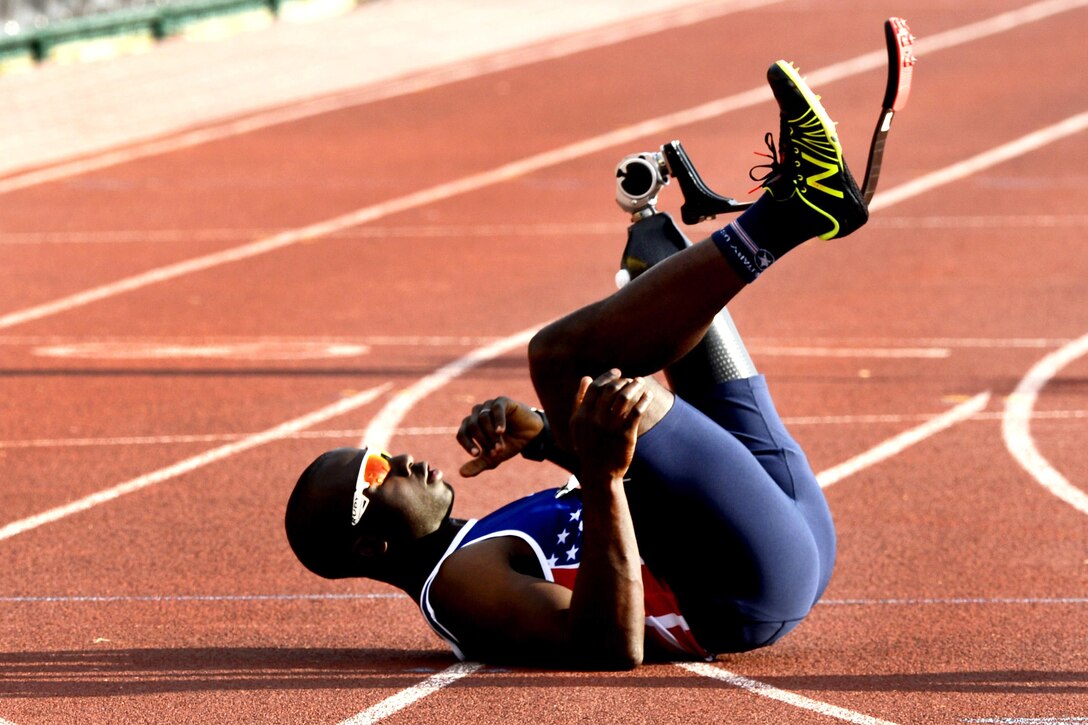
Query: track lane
x: 483, y: 383
x: 210, y: 173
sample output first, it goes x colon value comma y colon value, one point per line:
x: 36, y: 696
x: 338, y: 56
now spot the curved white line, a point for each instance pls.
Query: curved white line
x: 380, y: 430
x: 1016, y: 424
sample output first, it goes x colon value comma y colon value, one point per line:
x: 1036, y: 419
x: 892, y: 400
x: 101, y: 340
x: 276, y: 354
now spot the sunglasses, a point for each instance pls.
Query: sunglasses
x: 373, y: 469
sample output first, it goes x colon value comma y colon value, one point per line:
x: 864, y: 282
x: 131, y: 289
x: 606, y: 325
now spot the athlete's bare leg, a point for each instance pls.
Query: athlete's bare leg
x: 641, y: 329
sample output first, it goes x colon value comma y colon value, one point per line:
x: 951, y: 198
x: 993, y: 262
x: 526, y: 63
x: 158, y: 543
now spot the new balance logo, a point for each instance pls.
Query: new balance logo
x: 830, y: 170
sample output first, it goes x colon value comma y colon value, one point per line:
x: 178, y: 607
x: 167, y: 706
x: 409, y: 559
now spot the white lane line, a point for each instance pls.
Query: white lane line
x: 929, y: 44
x: 951, y: 601
x: 1010, y: 20
x: 790, y: 698
x: 408, y: 231
x: 1016, y: 424
x: 882, y: 346
x: 506, y: 231
x: 893, y: 418
x: 254, y: 351
x: 179, y: 439
x: 986, y: 159
x: 473, y: 182
x: 447, y: 430
x: 931, y: 353
x: 199, y: 264
x: 183, y: 598
x: 191, y: 464
x: 904, y: 440
x: 1028, y: 720
x: 363, y: 596
x: 992, y: 221
x: 406, y: 697
x: 999, y: 343
x: 365, y: 340
x: 273, y: 348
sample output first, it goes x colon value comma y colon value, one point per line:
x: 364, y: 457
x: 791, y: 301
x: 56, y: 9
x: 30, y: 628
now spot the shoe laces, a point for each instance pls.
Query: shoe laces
x: 773, y: 168
x: 809, y: 134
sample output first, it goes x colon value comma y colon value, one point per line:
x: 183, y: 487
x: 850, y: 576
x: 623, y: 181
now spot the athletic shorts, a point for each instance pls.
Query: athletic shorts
x: 728, y: 513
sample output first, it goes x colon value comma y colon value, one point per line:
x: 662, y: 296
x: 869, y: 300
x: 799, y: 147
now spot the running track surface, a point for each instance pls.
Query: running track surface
x: 960, y: 593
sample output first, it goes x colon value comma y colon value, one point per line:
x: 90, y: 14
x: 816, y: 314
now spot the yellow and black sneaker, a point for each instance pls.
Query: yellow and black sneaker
x: 810, y: 172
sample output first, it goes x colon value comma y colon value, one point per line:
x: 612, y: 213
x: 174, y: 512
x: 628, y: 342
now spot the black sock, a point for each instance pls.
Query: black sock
x: 760, y: 236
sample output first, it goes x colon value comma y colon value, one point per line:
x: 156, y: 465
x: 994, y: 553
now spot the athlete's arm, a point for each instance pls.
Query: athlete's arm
x: 499, y: 608
x: 608, y: 589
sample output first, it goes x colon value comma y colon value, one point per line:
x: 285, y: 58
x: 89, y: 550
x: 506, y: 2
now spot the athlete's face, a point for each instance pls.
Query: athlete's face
x: 414, y: 497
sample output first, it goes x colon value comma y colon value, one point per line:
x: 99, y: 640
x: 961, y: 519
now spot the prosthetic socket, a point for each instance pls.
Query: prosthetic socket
x: 721, y: 355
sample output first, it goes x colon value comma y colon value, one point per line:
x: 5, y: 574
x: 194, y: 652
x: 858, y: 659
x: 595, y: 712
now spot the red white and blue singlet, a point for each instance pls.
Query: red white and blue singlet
x: 551, y: 524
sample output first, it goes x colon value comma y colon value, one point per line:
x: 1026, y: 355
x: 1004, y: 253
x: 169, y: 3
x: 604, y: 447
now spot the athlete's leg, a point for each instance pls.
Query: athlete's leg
x: 722, y: 507
x: 726, y: 507
x: 640, y: 329
x: 747, y: 553
x: 662, y: 315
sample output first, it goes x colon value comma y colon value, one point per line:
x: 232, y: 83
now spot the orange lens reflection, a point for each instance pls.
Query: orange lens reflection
x: 376, y: 468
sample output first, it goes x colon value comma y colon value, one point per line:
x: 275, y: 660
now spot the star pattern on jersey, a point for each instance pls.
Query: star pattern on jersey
x: 567, y: 545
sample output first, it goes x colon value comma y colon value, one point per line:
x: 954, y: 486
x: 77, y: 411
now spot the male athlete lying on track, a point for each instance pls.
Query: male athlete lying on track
x: 701, y: 482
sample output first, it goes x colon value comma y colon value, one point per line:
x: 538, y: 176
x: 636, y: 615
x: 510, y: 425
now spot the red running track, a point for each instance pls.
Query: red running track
x: 960, y: 592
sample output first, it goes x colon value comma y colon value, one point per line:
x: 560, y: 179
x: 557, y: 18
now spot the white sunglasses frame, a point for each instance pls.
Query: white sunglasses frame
x: 359, y: 500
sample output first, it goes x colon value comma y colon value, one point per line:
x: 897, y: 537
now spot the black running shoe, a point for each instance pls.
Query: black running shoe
x: 811, y: 172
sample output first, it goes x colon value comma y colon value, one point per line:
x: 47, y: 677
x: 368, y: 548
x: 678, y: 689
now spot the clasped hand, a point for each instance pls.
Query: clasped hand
x: 603, y: 426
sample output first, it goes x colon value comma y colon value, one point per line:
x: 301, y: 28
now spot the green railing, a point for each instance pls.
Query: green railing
x: 138, y: 24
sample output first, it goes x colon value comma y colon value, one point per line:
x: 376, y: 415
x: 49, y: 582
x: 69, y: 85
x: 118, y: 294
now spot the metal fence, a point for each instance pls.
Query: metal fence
x: 21, y: 16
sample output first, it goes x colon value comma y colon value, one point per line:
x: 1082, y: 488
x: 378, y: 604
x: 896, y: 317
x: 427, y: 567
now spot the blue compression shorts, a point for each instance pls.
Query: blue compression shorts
x: 728, y: 512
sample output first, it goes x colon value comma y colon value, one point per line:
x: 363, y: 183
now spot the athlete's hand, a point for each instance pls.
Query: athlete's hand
x: 604, y: 425
x: 495, y: 431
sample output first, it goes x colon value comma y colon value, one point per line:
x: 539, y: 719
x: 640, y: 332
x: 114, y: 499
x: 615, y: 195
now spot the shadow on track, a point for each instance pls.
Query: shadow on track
x: 1010, y: 682
x: 106, y: 672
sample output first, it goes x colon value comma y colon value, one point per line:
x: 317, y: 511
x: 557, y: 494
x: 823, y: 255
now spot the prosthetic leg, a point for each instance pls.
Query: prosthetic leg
x: 653, y: 236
